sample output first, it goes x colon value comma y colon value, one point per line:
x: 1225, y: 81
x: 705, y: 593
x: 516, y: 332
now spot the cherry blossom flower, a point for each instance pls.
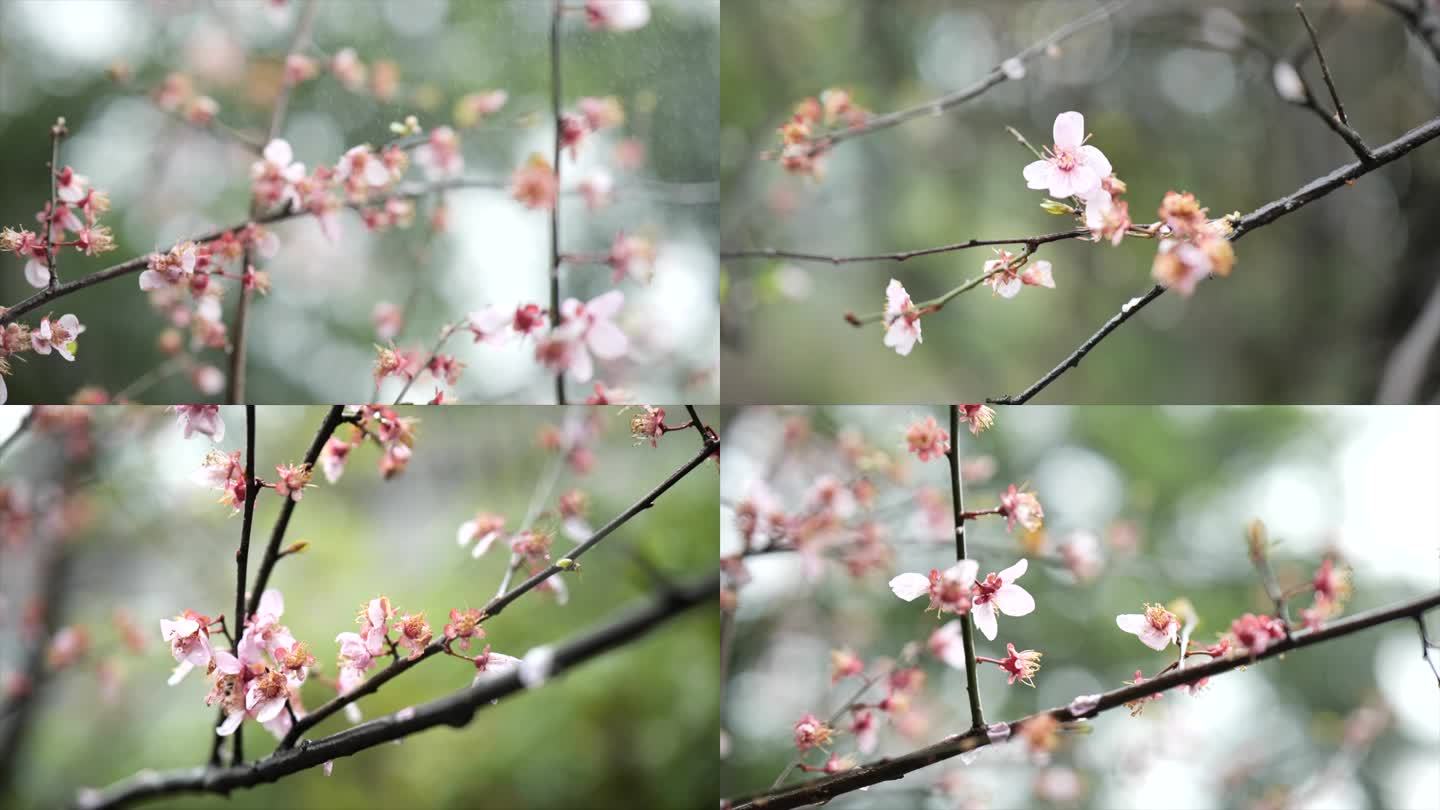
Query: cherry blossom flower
x: 491, y: 664
x: 926, y: 439
x: 1106, y: 217
x: 273, y: 179
x: 617, y: 15
x: 573, y: 129
x: 1082, y: 555
x: 189, y: 638
x: 1257, y: 633
x: 866, y: 730
x: 632, y: 256
x: 648, y: 425
x: 471, y: 109
x: 464, y: 626
x: 845, y: 663
x: 1021, y: 507
x: 1071, y: 167
x: 223, y: 472
x: 374, y: 619
x: 355, y: 659
x: 67, y: 646
x: 59, y: 335
x: 949, y: 590
x: 978, y: 416
x: 360, y: 168
x: 348, y: 69
x: 810, y: 732
x: 440, y: 156
x: 901, y: 319
x: 587, y: 328
x: 27, y: 244
x: 534, y: 184
x: 415, y: 633
x: 572, y: 507
x: 998, y: 593
x: 203, y: 419
x: 333, y: 457
x: 292, y: 479
x: 484, y: 529
x: 1157, y: 627
x: 1332, y: 584
x: 1021, y: 666
x: 178, y: 266
x: 946, y: 644
x: 1006, y: 278
x: 69, y: 186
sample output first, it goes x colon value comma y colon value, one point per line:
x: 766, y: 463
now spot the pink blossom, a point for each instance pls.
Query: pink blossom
x: 223, y: 472
x: 926, y: 439
x: 1021, y: 507
x: 348, y: 69
x: 617, y: 15
x: 573, y: 130
x: 69, y: 186
x: 440, y: 156
x: 978, y: 416
x: 355, y: 659
x: 28, y: 245
x: 949, y: 591
x: 572, y: 507
x: 998, y: 593
x: 273, y: 179
x: 484, y: 529
x: 58, y: 335
x: 901, y: 319
x: 291, y: 480
x: 1021, y: 666
x: 473, y: 108
x: 201, y: 419
x: 866, y: 730
x: 1257, y: 633
x: 1081, y: 553
x: 333, y: 457
x: 177, y: 266
x: 388, y: 319
x: 1106, y: 216
x: 1157, y: 627
x: 415, y: 634
x: 1137, y: 705
x: 946, y: 644
x: 1071, y: 167
x: 810, y: 732
x: 374, y: 619
x: 464, y: 625
x: 1006, y: 277
x: 586, y: 328
x: 360, y: 169
x: 845, y: 663
x: 632, y: 256
x: 189, y: 638
x: 534, y: 184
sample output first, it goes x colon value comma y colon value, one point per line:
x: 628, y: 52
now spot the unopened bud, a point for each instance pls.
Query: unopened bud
x: 296, y: 547
x: 1255, y: 538
x: 1057, y: 208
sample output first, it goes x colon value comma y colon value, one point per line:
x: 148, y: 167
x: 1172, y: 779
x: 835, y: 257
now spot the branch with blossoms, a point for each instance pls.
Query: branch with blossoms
x: 834, y: 748
x: 259, y: 673
x: 187, y: 283
x: 1081, y: 184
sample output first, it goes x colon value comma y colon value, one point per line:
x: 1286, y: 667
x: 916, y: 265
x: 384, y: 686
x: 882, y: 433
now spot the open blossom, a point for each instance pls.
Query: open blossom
x: 189, y: 638
x: 617, y: 15
x: 901, y: 319
x: 463, y: 626
x: 292, y: 479
x: 1191, y: 246
x: 648, y: 425
x: 1071, y: 167
x: 926, y: 439
x: 475, y: 107
x: 1157, y: 627
x: 201, y: 419
x: 361, y: 169
x: 180, y: 265
x: 223, y: 472
x: 1332, y: 584
x: 1021, y: 666
x: 1106, y: 216
x: 348, y: 69
x: 586, y: 328
x: 374, y: 621
x: 28, y: 245
x: 69, y: 186
x: 1006, y: 278
x: 484, y: 529
x: 978, y: 416
x: 949, y: 590
x: 534, y: 184
x: 845, y: 663
x: 355, y: 659
x: 273, y: 178
x: 632, y: 256
x: 810, y: 732
x: 440, y: 156
x: 998, y: 593
x: 59, y: 335
x: 1257, y: 633
x: 1023, y: 508
x: 333, y: 457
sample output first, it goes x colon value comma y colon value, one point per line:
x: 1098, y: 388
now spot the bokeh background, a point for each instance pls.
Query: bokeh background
x: 312, y: 339
x: 1166, y: 493
x: 634, y: 727
x: 1177, y: 98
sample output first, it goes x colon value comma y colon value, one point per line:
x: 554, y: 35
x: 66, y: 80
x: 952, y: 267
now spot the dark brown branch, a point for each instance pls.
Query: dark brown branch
x: 242, y: 556
x: 821, y: 790
x: 1030, y: 242
x: 1324, y: 66
x: 967, y: 625
x: 272, y: 555
x: 16, y: 714
x: 456, y: 710
x: 1426, y: 645
x: 52, y: 254
x: 1260, y: 217
x: 500, y: 601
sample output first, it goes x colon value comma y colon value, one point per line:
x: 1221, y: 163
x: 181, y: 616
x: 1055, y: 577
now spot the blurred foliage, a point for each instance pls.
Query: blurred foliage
x: 634, y: 727
x: 1175, y: 99
x: 169, y: 181
x: 1181, y: 481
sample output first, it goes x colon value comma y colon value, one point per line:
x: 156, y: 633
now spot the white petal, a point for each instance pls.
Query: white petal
x: 536, y: 666
x: 1038, y: 174
x: 984, y: 614
x: 1069, y: 129
x: 232, y: 722
x: 272, y: 602
x: 606, y: 340
x: 607, y: 305
x: 1014, y: 572
x: 466, y: 532
x: 910, y: 586
x: 180, y: 672
x: 582, y: 368
x: 963, y: 572
x: 1096, y: 160
x: 1132, y: 622
x: 37, y: 273
x: 278, y: 152
x: 1013, y: 600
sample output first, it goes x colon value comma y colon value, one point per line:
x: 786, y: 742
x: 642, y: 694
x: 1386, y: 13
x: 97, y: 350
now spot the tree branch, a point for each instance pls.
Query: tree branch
x: 456, y: 710
x: 498, y: 603
x: 555, y: 103
x: 52, y: 255
x: 900, y: 256
x: 1260, y: 217
x: 821, y: 790
x: 967, y: 627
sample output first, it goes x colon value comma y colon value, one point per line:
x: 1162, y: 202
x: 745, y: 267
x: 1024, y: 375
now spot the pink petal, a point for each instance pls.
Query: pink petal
x: 606, y: 340
x: 1015, y: 571
x: 232, y: 722
x: 1096, y: 160
x: 278, y: 152
x: 582, y: 368
x: 606, y: 306
x: 1069, y: 129
x: 1039, y: 174
x: 984, y: 614
x: 901, y: 337
x: 1013, y: 600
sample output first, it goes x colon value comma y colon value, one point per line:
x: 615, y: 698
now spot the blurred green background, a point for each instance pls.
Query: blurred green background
x: 1176, y: 98
x: 634, y: 727
x: 1166, y: 493
x: 311, y: 339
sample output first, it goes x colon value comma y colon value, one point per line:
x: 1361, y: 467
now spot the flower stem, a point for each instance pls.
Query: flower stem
x: 967, y: 630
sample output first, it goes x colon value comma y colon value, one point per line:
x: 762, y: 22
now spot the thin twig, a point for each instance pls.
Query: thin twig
x: 242, y: 557
x: 902, y: 255
x: 1324, y: 67
x: 445, y: 335
x: 52, y: 254
x: 865, y: 686
x: 555, y: 15
x: 967, y: 628
x: 1426, y: 646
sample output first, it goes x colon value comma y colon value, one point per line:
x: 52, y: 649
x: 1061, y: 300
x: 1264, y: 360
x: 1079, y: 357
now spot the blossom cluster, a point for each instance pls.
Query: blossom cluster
x: 802, y: 138
x: 76, y: 214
